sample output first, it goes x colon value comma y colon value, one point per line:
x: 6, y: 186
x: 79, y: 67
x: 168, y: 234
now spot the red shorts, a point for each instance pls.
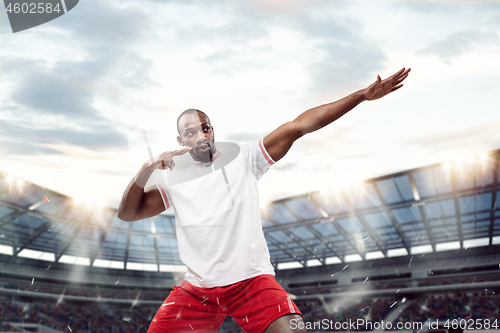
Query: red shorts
x: 253, y: 304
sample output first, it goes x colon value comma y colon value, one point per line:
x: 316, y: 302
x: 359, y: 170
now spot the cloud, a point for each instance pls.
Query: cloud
x: 430, y: 8
x: 9, y: 147
x: 484, y: 136
x: 460, y: 43
x: 107, y: 36
x: 330, y: 28
x: 221, y: 56
x: 241, y: 30
x: 104, y: 23
x: 14, y: 65
x: 57, y: 93
x: 27, y: 138
x: 63, y: 93
x: 349, y: 60
x: 346, y: 66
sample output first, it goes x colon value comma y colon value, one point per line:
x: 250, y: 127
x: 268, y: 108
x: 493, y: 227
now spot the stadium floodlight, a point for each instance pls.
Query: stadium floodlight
x: 459, y: 162
x: 153, y: 227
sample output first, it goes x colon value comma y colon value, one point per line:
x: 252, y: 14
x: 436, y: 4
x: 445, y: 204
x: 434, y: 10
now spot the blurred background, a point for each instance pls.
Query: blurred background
x: 388, y: 214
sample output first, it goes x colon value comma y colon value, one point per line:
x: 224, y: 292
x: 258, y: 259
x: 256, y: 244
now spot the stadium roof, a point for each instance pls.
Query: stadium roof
x: 440, y: 207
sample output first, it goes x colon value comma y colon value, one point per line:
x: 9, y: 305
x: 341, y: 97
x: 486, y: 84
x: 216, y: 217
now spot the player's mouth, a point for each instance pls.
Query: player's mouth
x: 203, y: 148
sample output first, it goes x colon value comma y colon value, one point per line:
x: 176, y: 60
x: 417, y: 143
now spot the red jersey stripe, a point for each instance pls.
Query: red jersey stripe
x: 264, y: 152
x: 163, y: 194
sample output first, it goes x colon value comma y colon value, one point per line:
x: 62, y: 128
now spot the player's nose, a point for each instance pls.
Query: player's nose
x: 200, y: 136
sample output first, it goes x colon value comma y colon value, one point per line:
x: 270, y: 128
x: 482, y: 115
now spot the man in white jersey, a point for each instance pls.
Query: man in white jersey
x: 218, y: 224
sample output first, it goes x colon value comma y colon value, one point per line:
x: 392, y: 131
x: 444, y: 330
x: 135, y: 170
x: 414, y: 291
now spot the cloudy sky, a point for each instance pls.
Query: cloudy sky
x: 74, y: 91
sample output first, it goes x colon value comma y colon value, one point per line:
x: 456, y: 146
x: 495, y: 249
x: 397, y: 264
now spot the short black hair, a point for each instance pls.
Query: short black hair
x: 189, y: 111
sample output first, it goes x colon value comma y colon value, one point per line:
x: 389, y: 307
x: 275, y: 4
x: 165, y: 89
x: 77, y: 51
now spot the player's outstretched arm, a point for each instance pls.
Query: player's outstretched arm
x: 138, y: 203
x: 279, y: 141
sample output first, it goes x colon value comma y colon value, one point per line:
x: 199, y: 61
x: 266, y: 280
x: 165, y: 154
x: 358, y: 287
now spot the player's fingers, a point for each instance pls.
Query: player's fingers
x: 400, y: 79
x: 181, y: 151
x: 378, y: 79
x: 166, y: 164
x: 404, y: 74
x: 170, y: 154
x: 398, y: 72
x: 396, y: 87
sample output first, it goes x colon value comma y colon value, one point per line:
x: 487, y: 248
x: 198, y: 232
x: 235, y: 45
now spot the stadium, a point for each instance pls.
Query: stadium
x: 413, y: 251
x: 382, y: 217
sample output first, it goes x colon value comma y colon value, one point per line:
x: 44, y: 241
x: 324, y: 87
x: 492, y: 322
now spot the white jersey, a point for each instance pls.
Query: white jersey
x: 218, y: 222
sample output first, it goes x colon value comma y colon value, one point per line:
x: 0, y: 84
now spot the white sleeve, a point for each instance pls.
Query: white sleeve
x: 257, y: 156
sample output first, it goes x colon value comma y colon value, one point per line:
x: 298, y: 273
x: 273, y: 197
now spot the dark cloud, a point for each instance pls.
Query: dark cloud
x: 107, y: 35
x: 56, y: 93
x: 346, y: 66
x: 327, y: 29
x: 103, y: 24
x: 460, y: 43
x: 67, y: 90
x: 349, y: 60
x: 9, y: 147
x: 136, y: 72
x: 29, y: 138
x: 15, y: 65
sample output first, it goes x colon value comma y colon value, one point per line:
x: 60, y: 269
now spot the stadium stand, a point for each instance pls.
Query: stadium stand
x: 418, y: 245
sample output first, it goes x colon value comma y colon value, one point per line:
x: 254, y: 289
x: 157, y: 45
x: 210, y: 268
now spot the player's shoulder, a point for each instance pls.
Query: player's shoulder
x: 251, y: 147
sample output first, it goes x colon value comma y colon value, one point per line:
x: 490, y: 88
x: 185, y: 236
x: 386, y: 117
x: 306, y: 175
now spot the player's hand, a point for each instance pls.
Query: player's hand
x: 165, y: 160
x: 380, y: 88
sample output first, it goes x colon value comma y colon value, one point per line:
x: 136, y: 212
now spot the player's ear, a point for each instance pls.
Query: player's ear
x: 179, y: 139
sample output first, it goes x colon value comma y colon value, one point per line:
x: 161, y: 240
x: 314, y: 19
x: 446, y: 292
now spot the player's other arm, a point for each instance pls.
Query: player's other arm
x: 138, y: 203
x: 278, y: 142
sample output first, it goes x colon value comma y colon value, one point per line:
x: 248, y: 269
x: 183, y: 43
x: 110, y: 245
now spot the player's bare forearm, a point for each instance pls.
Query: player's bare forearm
x: 130, y: 203
x: 323, y: 115
x: 279, y: 141
x: 133, y: 198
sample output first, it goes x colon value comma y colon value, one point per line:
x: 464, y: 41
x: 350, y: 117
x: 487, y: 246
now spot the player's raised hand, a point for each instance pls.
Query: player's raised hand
x: 165, y: 160
x: 381, y: 87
